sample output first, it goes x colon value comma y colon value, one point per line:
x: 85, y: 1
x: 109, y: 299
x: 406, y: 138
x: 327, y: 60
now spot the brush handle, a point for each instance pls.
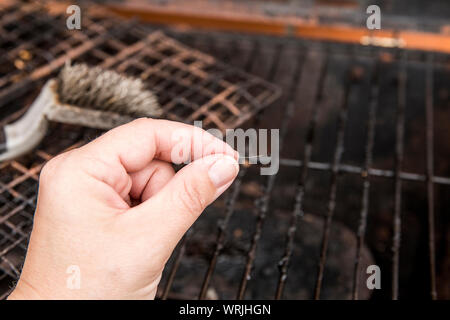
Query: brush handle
x: 26, y: 133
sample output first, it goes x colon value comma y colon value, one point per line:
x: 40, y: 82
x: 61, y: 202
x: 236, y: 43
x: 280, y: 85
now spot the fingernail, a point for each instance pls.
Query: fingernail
x: 223, y: 171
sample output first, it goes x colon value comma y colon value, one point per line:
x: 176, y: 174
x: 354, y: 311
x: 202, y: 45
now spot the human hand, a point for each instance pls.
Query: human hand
x: 115, y: 209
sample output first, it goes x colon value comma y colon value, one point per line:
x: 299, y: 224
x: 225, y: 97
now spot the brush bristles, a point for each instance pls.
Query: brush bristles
x: 95, y: 88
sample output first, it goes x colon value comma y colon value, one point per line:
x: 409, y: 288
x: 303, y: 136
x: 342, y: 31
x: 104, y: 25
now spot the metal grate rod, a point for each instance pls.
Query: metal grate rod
x: 176, y: 265
x: 263, y: 202
x: 339, y: 149
x: 373, y: 105
x: 223, y: 226
x: 230, y: 201
x: 347, y: 168
x: 297, y: 212
x: 401, y: 105
x: 430, y: 172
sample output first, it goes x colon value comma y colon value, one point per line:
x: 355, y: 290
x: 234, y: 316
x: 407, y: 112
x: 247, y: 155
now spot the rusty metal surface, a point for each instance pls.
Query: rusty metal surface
x: 190, y: 85
x: 399, y: 15
x: 18, y: 194
x: 332, y: 21
x: 33, y: 44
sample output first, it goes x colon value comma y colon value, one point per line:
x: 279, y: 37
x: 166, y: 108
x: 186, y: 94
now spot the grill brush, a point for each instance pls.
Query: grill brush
x: 80, y: 95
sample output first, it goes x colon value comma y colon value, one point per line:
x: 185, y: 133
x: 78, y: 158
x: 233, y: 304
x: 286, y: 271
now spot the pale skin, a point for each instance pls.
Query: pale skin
x: 116, y: 209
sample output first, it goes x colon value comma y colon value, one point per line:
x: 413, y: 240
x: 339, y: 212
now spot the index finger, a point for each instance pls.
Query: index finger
x: 135, y: 144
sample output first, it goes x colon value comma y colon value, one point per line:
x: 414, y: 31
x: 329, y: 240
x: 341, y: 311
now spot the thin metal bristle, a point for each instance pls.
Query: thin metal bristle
x: 95, y: 88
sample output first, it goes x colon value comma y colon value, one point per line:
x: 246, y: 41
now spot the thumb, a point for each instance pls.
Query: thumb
x: 176, y: 207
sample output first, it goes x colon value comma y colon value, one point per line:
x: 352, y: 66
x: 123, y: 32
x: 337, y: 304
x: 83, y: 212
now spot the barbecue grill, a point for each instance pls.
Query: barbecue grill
x: 364, y: 177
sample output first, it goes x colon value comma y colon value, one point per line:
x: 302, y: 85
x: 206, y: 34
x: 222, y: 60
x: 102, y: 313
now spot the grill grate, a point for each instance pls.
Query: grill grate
x: 18, y: 194
x: 34, y: 44
x: 365, y: 163
x: 193, y: 86
x: 190, y: 85
x: 398, y: 61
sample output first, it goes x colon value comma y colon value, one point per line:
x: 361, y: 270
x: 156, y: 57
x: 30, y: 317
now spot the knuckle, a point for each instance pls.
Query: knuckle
x: 191, y: 199
x: 49, y: 169
x: 54, y: 166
